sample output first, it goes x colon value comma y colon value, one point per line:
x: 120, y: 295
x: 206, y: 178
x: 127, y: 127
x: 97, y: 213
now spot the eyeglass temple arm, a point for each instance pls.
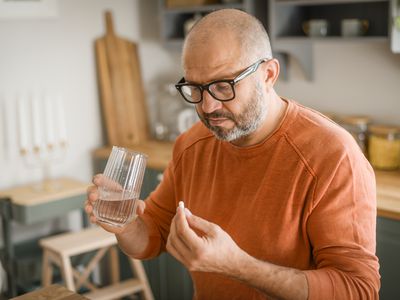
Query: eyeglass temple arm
x: 250, y: 70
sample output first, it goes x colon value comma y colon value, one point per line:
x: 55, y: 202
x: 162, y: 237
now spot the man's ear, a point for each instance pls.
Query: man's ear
x: 272, y: 70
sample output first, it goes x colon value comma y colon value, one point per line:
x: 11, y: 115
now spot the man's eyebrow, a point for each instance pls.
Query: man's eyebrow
x: 229, y: 77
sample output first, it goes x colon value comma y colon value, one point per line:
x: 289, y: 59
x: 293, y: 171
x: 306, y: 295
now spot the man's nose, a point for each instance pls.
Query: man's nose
x: 209, y: 103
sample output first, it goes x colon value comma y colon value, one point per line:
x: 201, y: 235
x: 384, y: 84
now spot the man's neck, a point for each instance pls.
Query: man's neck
x: 275, y: 114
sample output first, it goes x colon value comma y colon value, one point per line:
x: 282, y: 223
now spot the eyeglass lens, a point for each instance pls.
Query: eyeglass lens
x: 220, y: 90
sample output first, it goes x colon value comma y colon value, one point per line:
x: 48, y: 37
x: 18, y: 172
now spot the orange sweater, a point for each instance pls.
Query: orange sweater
x: 303, y: 198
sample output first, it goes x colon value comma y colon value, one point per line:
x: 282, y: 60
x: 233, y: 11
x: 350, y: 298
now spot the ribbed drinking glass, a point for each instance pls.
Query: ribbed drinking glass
x: 120, y: 187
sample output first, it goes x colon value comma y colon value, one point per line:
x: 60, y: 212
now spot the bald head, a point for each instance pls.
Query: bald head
x: 229, y: 29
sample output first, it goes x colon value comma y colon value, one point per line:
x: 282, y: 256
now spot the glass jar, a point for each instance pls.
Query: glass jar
x: 358, y: 128
x: 384, y: 147
x: 167, y: 103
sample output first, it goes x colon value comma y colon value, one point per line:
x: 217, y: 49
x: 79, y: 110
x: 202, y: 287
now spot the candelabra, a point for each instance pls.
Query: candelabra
x: 42, y: 135
x: 43, y: 158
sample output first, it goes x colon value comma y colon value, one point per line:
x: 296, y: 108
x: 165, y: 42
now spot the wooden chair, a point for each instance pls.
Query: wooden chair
x: 59, y: 249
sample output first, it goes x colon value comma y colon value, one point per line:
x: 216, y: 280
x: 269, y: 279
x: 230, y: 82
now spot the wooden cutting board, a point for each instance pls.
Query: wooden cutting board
x: 121, y: 88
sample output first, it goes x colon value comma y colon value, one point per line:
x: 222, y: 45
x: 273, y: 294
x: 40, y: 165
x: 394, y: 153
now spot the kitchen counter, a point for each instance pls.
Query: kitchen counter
x: 388, y: 194
x: 388, y: 183
x: 28, y: 205
x: 159, y: 153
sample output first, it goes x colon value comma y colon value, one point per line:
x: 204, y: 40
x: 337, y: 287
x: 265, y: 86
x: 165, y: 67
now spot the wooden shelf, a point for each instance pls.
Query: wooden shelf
x: 292, y: 39
x: 323, y: 2
x: 173, y: 19
x: 200, y: 8
x: 287, y: 17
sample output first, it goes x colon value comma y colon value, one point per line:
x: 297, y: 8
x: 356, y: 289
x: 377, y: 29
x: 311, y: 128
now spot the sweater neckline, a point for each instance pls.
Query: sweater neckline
x: 288, y: 118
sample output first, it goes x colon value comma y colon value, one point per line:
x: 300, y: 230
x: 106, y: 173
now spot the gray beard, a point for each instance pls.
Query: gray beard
x: 246, y: 123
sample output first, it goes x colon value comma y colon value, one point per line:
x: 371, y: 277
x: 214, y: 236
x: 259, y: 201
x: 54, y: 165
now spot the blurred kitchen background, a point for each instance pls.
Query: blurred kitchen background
x: 339, y: 57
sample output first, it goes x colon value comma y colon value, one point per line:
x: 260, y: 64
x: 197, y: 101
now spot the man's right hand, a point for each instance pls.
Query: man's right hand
x: 93, y: 196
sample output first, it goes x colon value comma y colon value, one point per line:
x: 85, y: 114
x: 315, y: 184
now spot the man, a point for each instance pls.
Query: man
x: 280, y: 202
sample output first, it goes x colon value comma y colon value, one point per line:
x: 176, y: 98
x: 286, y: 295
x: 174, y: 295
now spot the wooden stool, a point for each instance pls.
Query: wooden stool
x: 59, y: 250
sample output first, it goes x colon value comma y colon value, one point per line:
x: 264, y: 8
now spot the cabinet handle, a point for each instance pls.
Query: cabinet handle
x: 160, y: 177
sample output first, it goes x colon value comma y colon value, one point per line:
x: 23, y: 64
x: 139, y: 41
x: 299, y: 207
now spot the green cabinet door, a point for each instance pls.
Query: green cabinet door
x: 388, y: 251
x: 168, y: 278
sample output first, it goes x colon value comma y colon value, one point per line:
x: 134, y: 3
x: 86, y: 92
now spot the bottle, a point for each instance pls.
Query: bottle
x: 358, y: 128
x: 384, y: 147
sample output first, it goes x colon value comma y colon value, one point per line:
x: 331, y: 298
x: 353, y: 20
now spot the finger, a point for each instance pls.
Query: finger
x: 88, y: 208
x: 93, y: 219
x: 93, y: 195
x: 103, y: 181
x: 97, y: 179
x: 141, y: 206
x: 177, y: 247
x: 174, y: 252
x: 91, y: 188
x: 184, y: 232
x: 200, y: 224
x: 174, y: 236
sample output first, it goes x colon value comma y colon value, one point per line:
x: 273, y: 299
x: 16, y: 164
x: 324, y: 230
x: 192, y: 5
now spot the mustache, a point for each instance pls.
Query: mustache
x: 219, y: 114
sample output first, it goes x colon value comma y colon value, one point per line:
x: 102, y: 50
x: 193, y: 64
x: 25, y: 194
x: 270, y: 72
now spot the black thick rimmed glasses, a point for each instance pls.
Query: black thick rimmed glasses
x: 222, y: 90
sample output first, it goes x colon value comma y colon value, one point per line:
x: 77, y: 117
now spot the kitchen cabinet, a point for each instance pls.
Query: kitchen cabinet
x: 173, y: 19
x: 388, y: 232
x: 388, y: 249
x: 288, y: 17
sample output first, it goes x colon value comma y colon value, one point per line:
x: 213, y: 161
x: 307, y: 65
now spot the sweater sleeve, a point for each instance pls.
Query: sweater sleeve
x: 341, y: 227
x: 160, y: 209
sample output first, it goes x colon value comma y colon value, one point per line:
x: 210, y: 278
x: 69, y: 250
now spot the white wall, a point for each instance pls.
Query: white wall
x: 357, y: 77
x: 58, y: 55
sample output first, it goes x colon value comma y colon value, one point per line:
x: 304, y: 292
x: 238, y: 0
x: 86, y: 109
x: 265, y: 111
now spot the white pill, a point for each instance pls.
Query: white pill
x: 181, y: 204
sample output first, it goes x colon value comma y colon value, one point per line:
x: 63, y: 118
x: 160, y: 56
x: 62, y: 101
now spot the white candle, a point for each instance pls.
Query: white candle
x: 36, y: 128
x: 22, y: 123
x: 62, y: 130
x: 49, y: 118
x: 2, y: 129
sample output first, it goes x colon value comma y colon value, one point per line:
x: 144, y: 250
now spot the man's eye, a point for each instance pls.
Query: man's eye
x: 222, y: 87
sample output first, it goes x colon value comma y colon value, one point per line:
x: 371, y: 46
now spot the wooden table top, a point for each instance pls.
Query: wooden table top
x: 34, y: 194
x: 53, y: 292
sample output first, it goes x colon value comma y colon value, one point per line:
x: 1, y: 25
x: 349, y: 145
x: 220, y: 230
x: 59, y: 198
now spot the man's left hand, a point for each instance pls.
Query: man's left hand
x: 201, y: 245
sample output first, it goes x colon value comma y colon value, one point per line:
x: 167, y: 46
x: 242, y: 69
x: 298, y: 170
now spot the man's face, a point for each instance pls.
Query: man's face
x: 236, y: 120
x: 239, y: 117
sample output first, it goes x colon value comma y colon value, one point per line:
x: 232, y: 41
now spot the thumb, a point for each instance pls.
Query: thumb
x: 200, y: 224
x: 141, y: 206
